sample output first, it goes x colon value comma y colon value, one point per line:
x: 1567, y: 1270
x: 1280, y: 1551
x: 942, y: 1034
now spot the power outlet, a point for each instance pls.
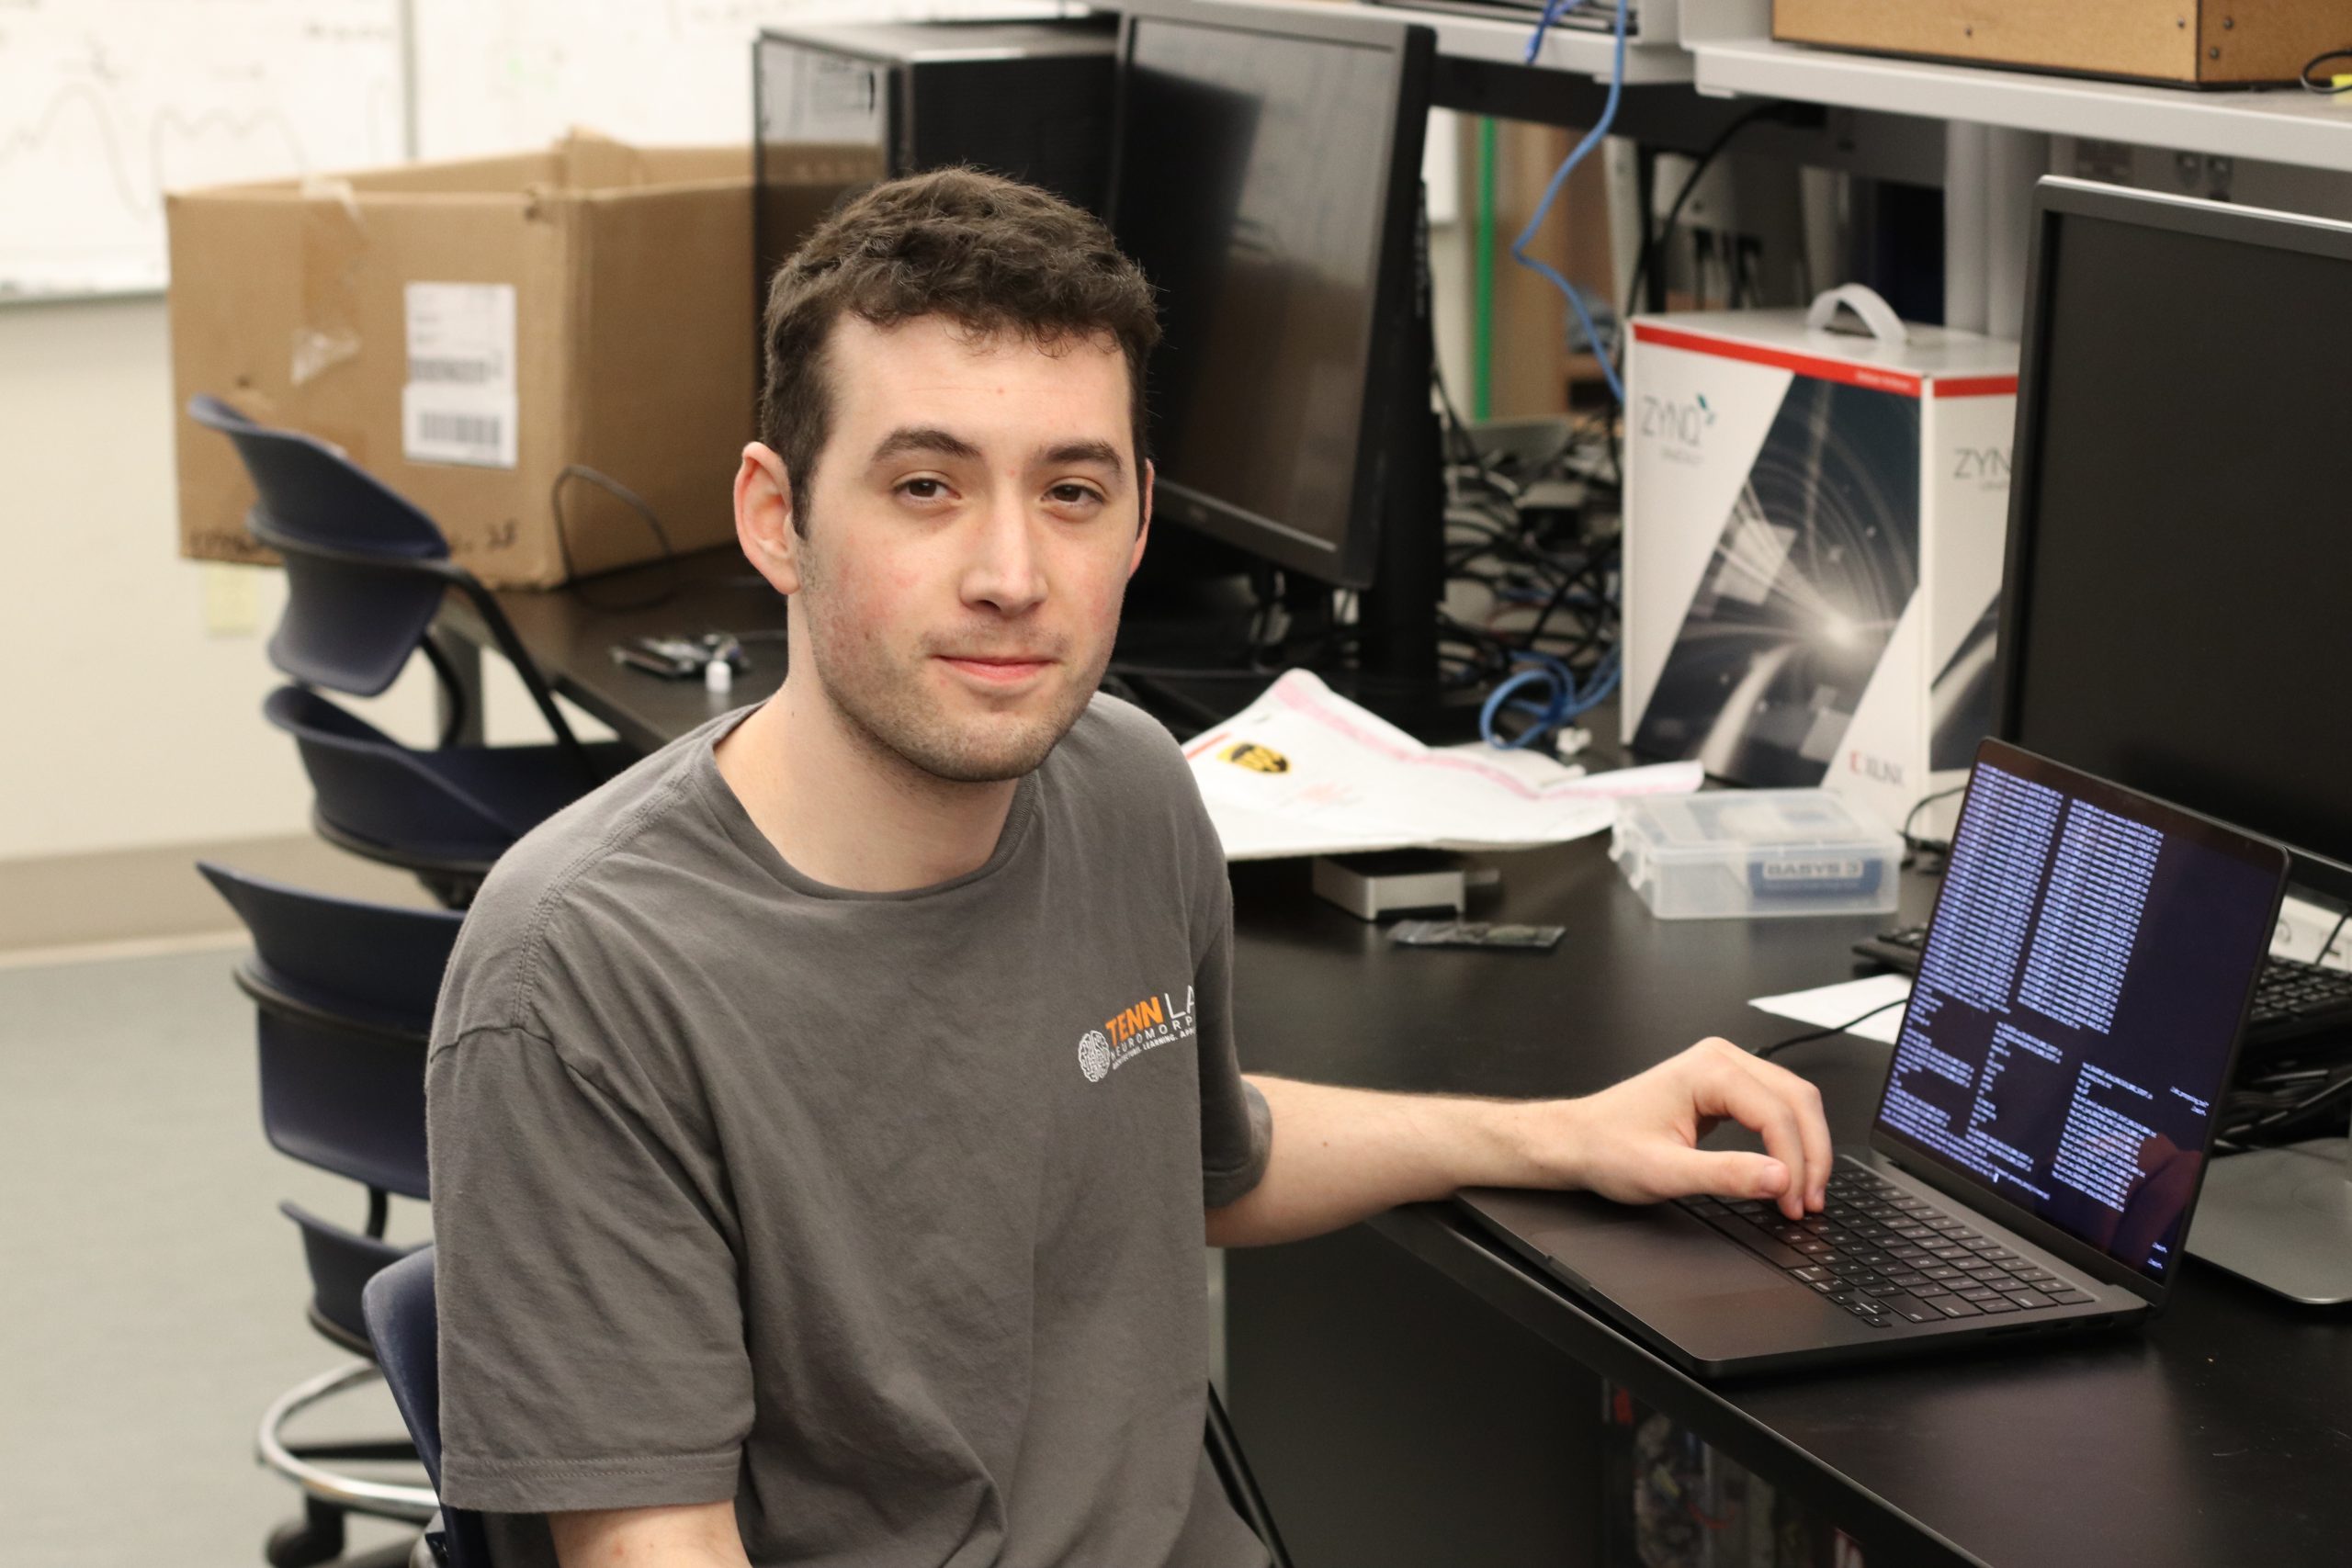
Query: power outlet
x: 232, y: 598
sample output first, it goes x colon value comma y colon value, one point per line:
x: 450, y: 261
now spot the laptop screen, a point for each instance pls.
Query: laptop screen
x: 2078, y: 1008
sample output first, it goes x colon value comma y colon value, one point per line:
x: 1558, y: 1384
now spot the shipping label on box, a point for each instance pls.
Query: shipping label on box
x: 1814, y: 531
x: 458, y: 404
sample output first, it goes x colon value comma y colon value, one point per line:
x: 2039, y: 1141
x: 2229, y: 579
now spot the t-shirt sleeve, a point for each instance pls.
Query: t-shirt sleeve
x: 592, y: 1346
x: 1237, y: 1127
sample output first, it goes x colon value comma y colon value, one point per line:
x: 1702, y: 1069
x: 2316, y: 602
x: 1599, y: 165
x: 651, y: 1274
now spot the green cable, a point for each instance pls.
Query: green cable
x: 1482, y: 331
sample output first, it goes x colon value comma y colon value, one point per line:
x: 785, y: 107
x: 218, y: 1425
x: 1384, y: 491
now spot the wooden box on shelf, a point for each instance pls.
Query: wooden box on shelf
x: 2201, y: 43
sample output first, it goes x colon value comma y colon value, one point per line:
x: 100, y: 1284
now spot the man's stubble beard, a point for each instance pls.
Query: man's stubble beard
x: 882, y: 705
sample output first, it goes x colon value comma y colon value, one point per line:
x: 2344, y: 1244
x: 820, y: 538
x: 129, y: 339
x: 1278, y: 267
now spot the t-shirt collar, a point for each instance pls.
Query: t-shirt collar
x: 711, y: 787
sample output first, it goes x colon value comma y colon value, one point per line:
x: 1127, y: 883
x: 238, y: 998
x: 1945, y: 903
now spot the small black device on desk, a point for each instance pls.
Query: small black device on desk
x: 679, y: 657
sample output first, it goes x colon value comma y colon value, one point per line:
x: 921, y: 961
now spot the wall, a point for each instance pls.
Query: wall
x: 126, y: 722
x: 132, y: 680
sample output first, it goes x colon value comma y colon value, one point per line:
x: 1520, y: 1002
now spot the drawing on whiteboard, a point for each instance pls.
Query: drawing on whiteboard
x: 106, y: 105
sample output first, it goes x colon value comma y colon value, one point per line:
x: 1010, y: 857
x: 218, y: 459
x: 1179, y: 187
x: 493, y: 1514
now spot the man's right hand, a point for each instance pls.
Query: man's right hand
x: 698, y: 1535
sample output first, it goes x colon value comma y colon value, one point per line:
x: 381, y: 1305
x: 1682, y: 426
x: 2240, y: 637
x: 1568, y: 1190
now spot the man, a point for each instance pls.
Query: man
x: 824, y: 1112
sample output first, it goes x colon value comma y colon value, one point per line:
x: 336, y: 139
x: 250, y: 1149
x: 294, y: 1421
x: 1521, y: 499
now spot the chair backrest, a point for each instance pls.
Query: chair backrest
x: 366, y: 572
x: 345, y: 993
x: 350, y: 624
x: 398, y: 1303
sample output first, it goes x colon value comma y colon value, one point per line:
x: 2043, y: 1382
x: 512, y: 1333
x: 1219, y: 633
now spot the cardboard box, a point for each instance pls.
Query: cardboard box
x: 1814, y: 524
x: 465, y: 331
x: 2201, y: 43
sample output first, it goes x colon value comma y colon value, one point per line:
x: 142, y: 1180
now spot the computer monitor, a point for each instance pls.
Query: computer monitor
x: 2174, y: 613
x: 1266, y: 177
x: 2178, y: 609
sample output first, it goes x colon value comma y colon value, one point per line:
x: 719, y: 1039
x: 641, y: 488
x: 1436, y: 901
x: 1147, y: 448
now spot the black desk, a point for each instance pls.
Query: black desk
x: 570, y: 634
x: 1410, y: 1395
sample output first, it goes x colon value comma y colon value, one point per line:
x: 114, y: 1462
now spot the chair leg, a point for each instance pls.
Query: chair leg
x: 1240, y: 1486
x: 315, y: 1538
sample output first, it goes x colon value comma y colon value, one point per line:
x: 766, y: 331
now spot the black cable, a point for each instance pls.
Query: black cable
x: 1652, y: 252
x: 2312, y: 85
x: 2338, y: 931
x: 628, y: 498
x: 1778, y: 1046
x: 1913, y: 846
x: 1459, y: 430
x: 1652, y: 255
x: 2236, y: 1132
x: 1596, y: 568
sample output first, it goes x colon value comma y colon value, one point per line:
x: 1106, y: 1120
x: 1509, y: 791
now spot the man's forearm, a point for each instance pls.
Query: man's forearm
x: 1343, y: 1154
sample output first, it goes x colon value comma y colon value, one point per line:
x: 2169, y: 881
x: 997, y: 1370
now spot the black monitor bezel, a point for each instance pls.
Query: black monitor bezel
x: 1353, y: 562
x: 2057, y: 198
x: 2170, y: 820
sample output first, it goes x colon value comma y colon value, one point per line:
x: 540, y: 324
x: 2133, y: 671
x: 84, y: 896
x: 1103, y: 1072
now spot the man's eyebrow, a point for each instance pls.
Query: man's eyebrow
x: 1101, y: 453
x: 928, y: 439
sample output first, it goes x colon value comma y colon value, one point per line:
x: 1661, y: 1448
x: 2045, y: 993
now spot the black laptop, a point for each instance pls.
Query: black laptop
x: 2047, y: 1114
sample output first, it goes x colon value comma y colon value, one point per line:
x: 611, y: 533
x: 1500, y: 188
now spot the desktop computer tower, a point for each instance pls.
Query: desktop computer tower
x: 1030, y: 99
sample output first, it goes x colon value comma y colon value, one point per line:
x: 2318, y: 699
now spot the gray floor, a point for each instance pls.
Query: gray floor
x: 151, y: 1296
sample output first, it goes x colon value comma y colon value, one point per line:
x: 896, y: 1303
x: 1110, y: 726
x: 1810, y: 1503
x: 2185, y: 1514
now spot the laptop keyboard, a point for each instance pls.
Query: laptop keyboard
x: 1886, y: 1255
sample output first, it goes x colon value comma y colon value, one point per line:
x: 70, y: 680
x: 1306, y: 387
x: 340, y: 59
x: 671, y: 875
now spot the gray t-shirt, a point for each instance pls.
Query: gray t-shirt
x: 879, y: 1214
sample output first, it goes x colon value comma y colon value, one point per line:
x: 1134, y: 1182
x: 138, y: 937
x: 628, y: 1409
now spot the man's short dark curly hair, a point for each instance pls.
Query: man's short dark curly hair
x: 989, y: 254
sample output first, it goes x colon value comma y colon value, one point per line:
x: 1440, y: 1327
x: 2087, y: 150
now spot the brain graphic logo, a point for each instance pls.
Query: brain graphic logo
x: 1095, y: 1056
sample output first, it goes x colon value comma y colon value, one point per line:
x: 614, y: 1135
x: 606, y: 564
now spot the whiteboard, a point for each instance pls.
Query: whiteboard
x: 498, y: 75
x: 106, y: 104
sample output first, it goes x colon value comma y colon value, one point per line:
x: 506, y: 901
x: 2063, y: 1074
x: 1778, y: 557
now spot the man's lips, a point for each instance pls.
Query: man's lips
x: 996, y: 669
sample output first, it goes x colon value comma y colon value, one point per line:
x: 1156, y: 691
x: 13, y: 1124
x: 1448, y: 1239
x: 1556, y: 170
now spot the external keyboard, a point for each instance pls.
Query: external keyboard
x: 1886, y: 1255
x: 2292, y: 998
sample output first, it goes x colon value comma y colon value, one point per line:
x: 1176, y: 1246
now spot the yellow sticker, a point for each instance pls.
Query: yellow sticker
x: 1256, y: 758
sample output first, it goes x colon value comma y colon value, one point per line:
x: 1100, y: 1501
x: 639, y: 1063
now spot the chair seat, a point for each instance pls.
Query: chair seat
x: 455, y: 809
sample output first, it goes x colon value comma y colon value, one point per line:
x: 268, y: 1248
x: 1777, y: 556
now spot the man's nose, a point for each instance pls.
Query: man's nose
x: 1005, y: 571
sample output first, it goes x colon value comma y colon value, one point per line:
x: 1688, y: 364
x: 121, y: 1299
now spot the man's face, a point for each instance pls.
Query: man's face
x: 972, y: 523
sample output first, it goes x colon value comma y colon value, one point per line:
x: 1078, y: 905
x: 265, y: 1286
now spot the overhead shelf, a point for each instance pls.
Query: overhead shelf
x: 2278, y: 125
x: 1502, y: 41
x: 1577, y: 50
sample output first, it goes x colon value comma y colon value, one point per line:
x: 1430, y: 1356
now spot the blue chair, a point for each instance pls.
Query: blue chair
x: 366, y: 572
x: 343, y: 994
x: 400, y: 1318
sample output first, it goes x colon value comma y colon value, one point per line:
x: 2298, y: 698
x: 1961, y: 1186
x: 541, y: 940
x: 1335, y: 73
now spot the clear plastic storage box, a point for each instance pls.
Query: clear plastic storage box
x: 1755, y: 852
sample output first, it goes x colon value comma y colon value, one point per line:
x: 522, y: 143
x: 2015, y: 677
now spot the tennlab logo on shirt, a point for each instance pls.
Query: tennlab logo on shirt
x: 1153, y: 1021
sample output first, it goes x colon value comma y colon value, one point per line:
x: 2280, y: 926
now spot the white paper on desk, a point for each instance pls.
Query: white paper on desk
x: 1302, y: 771
x: 1827, y: 1007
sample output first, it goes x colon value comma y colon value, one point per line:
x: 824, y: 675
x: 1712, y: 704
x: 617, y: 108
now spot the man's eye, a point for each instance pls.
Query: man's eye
x: 923, y: 490
x: 1074, y: 494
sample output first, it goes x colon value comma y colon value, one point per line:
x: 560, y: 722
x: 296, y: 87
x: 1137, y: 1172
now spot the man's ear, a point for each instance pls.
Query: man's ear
x: 764, y: 518
x: 1143, y: 526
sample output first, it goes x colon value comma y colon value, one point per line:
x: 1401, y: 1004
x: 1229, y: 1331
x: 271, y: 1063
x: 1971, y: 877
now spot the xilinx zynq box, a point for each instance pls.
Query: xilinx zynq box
x: 1814, y: 523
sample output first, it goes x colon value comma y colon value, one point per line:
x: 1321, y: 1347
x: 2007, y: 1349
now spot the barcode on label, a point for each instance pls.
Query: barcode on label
x: 460, y: 429
x: 463, y: 372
